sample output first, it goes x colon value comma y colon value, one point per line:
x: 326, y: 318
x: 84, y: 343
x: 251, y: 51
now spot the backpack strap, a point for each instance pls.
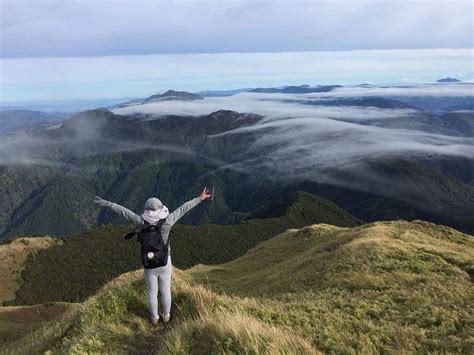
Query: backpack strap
x: 135, y: 230
x: 158, y: 225
x: 143, y: 227
x: 167, y: 244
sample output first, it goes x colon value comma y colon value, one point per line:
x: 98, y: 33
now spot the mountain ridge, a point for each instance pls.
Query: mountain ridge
x: 448, y: 80
x: 172, y: 95
x: 301, y: 89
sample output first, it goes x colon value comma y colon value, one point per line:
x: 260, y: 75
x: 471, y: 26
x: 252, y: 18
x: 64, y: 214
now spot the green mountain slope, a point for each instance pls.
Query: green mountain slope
x: 61, y: 203
x: 50, y: 177
x: 106, y: 252
x: 306, y: 207
x: 19, y: 185
x: 386, y: 287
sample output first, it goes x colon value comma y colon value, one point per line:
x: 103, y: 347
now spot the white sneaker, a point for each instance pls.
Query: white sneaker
x: 154, y: 321
x: 166, y: 318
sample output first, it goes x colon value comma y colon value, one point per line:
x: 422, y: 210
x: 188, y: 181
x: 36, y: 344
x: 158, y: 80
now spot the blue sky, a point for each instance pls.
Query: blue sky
x: 102, y: 49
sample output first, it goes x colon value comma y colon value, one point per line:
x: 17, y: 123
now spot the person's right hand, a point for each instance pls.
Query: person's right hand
x: 102, y: 202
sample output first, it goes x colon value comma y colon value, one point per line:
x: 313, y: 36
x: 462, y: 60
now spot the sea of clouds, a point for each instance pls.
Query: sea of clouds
x: 298, y: 140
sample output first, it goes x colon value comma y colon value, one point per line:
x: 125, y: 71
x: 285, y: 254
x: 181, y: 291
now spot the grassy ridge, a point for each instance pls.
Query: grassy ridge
x: 386, y: 287
x: 96, y: 257
x: 381, y: 287
x: 115, y: 321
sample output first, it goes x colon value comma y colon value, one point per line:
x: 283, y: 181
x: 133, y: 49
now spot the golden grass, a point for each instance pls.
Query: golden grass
x: 385, y: 286
x: 115, y: 321
x: 232, y: 333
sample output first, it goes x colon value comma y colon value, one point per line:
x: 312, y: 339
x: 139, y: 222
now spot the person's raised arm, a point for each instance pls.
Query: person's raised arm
x: 125, y: 212
x: 185, y: 207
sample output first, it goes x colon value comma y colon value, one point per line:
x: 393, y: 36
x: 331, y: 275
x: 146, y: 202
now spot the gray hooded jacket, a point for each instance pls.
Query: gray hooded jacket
x: 170, y: 220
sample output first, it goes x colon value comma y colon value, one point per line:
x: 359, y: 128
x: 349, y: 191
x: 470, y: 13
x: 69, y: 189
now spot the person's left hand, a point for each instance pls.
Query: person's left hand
x: 205, y: 194
x: 101, y: 202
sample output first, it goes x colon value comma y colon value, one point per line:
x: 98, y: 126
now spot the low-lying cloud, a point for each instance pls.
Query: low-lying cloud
x: 450, y: 90
x: 272, y: 106
x: 328, y: 144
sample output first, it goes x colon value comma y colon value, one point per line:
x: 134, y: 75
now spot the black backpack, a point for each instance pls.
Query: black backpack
x: 154, y: 251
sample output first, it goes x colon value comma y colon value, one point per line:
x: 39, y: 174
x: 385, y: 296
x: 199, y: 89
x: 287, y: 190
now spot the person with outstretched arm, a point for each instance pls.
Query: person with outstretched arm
x: 153, y: 231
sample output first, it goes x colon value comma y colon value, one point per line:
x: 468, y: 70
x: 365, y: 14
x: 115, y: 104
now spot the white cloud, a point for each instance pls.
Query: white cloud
x: 411, y: 90
x: 278, y: 105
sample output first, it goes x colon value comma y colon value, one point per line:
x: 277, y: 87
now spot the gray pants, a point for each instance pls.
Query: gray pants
x: 160, y: 276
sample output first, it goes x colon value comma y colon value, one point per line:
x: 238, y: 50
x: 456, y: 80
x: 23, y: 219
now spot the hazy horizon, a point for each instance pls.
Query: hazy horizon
x: 57, y: 50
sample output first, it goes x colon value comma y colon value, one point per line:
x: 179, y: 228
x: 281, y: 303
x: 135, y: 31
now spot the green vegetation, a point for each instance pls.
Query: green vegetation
x: 96, y: 257
x: 17, y: 185
x: 386, y: 287
x: 61, y: 203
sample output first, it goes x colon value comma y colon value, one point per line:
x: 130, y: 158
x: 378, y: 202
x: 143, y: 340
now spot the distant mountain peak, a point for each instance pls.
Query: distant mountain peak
x: 294, y: 89
x: 100, y: 112
x: 88, y: 119
x: 171, y: 95
x: 308, y: 207
x: 220, y: 113
x: 448, y: 80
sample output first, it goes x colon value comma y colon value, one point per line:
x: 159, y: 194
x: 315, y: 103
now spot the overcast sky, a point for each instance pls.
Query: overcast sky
x: 117, y: 34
